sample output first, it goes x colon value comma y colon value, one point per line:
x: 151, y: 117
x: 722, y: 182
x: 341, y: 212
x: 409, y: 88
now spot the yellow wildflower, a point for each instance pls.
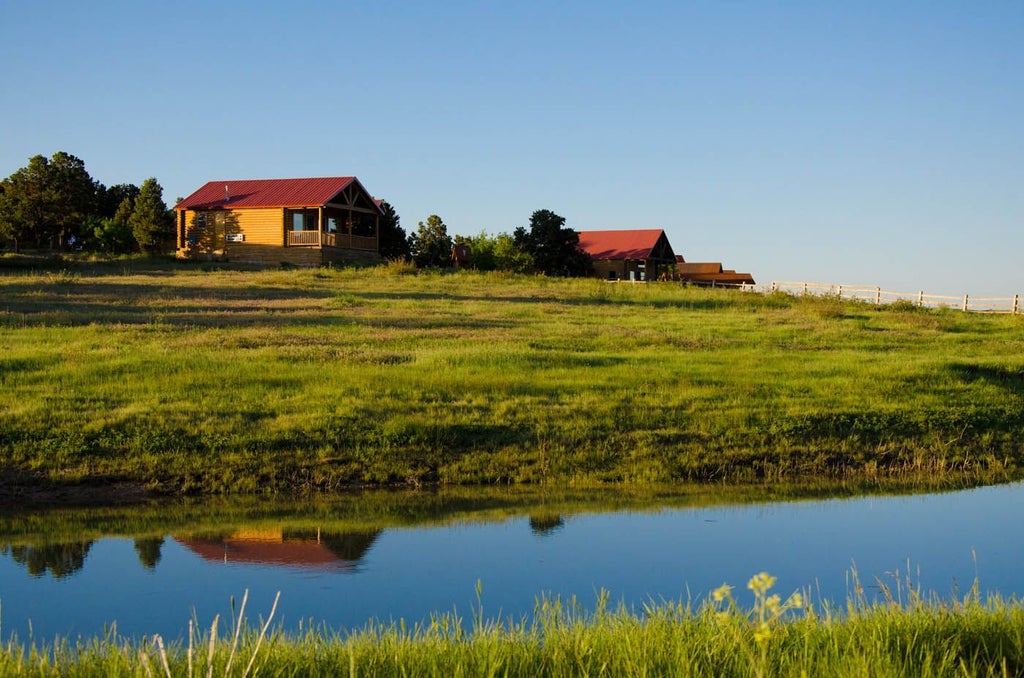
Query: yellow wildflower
x: 721, y: 593
x: 760, y: 583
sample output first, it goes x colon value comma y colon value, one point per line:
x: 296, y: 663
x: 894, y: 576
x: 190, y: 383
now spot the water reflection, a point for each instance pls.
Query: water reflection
x: 345, y: 559
x: 284, y: 547
x: 148, y: 549
x: 280, y: 547
x: 59, y: 560
x: 544, y: 524
x: 305, y: 534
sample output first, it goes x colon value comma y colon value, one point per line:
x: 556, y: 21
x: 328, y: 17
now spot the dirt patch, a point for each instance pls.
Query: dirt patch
x: 19, y: 489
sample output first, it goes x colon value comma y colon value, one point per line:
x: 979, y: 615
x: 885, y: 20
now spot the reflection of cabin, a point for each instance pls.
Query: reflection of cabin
x: 273, y: 221
x: 307, y: 549
x: 710, y: 273
x: 637, y: 254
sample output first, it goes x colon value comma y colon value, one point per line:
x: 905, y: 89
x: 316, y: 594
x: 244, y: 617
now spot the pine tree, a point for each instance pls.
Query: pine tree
x: 393, y: 243
x: 149, y: 218
x: 46, y: 202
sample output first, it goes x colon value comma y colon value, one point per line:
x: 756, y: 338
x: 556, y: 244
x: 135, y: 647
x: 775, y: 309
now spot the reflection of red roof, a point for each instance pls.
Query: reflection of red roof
x: 266, y: 193
x: 291, y: 553
x: 626, y: 244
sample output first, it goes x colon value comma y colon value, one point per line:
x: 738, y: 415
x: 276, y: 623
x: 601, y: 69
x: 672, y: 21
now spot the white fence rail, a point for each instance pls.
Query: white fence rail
x: 876, y: 295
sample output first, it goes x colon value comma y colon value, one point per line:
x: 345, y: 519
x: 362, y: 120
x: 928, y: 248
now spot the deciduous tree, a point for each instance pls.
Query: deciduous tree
x: 554, y: 248
x: 508, y: 257
x: 497, y: 253
x: 430, y: 244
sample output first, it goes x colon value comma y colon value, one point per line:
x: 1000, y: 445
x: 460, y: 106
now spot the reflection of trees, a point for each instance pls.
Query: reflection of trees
x: 148, y: 549
x: 60, y: 559
x: 544, y: 524
x: 350, y: 546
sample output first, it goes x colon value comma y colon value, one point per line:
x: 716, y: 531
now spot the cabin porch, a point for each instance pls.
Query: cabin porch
x: 331, y: 226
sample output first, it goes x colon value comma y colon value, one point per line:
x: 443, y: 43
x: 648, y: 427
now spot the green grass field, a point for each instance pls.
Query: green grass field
x: 208, y: 379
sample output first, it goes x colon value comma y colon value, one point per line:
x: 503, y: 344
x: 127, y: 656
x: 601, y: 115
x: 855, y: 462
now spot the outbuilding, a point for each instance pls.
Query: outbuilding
x: 633, y: 254
x: 710, y: 273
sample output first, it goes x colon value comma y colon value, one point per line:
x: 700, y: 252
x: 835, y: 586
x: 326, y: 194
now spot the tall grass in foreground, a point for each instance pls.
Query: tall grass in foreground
x: 772, y: 637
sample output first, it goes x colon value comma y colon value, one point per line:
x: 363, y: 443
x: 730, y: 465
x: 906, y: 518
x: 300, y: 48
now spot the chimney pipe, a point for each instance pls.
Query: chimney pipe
x: 227, y: 194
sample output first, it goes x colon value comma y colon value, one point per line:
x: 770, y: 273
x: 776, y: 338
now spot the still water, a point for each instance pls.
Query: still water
x: 343, y: 572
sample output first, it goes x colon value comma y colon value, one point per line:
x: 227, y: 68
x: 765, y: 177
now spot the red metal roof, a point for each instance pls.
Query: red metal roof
x: 627, y: 244
x: 700, y: 267
x: 310, y: 192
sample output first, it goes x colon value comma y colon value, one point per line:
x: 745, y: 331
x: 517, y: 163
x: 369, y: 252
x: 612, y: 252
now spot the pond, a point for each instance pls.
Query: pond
x: 342, y: 561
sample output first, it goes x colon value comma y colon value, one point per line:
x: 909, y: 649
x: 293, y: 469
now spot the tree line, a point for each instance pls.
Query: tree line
x: 547, y: 246
x: 53, y: 203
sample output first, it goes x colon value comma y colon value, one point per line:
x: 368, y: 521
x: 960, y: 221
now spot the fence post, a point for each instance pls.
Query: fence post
x: 1016, y: 302
x: 920, y: 298
x: 878, y: 296
x: 965, y: 302
x: 840, y: 291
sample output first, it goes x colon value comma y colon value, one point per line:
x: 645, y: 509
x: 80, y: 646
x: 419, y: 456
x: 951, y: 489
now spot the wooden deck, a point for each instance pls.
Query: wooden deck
x: 340, y: 240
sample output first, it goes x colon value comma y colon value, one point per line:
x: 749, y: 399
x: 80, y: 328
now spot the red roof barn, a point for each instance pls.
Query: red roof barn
x: 635, y: 254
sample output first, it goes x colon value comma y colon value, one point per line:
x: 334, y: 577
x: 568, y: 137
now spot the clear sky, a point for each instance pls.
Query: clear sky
x: 877, y: 143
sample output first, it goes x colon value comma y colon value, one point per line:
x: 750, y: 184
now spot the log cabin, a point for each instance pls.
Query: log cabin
x: 635, y: 254
x: 305, y: 222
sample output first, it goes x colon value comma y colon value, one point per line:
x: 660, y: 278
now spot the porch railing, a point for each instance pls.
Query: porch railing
x: 303, y: 238
x: 341, y: 240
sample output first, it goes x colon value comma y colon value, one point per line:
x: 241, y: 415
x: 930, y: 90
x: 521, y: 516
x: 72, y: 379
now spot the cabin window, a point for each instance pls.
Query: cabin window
x: 304, y: 220
x: 332, y: 225
x: 211, y: 219
x: 207, y: 230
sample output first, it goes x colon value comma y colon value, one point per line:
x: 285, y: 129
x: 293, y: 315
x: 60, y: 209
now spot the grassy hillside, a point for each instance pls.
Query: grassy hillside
x: 208, y: 379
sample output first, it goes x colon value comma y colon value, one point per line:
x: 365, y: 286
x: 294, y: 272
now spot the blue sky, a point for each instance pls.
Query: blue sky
x: 866, y: 142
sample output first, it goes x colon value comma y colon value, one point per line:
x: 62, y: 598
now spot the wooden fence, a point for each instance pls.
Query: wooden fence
x: 876, y: 295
